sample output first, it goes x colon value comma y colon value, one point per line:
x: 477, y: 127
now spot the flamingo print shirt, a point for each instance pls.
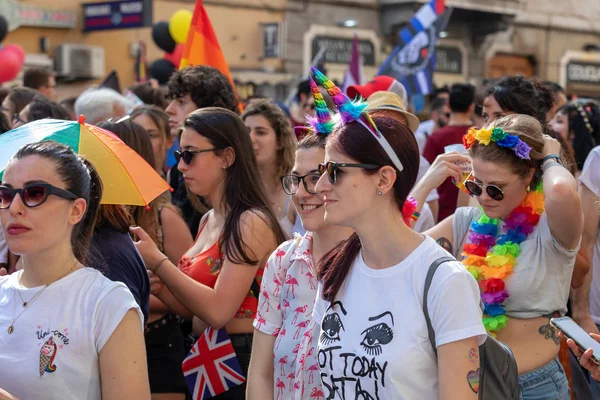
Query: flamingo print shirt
x: 287, y: 297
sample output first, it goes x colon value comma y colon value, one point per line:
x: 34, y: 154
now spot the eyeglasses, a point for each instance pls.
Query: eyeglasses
x: 312, y: 106
x: 291, y: 183
x: 188, y: 155
x: 476, y: 189
x: 333, y: 169
x: 32, y: 195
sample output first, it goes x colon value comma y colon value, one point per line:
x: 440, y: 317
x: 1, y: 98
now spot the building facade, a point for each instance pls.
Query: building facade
x: 269, y: 44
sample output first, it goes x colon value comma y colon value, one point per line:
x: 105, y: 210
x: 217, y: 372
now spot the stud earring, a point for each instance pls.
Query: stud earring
x: 528, y: 188
x: 379, y: 192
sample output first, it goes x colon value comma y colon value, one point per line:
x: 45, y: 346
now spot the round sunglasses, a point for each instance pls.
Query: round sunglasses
x: 32, y: 195
x: 476, y: 189
x: 333, y: 169
x: 188, y: 155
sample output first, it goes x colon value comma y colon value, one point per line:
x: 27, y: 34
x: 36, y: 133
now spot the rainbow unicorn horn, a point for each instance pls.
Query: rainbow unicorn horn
x: 322, y: 122
x: 349, y: 111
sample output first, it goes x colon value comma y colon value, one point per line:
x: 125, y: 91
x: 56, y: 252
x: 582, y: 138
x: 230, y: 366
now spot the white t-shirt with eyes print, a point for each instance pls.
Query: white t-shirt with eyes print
x: 373, y: 341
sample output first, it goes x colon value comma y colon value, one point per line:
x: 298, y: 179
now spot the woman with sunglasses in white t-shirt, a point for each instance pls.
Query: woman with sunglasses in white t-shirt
x: 66, y: 331
x: 373, y: 338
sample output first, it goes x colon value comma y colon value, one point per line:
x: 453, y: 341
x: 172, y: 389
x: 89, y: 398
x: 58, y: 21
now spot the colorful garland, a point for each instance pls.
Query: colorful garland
x: 491, y: 258
x: 503, y: 139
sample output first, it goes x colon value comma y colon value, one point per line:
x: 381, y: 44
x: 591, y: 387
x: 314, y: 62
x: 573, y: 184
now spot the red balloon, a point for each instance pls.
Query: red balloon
x: 16, y: 49
x: 176, y: 55
x: 11, y: 65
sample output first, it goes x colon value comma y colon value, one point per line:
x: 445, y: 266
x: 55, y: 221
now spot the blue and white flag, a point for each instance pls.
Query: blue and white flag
x: 412, y: 62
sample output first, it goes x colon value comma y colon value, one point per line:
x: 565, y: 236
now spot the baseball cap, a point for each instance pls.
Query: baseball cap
x: 380, y: 83
x: 391, y: 101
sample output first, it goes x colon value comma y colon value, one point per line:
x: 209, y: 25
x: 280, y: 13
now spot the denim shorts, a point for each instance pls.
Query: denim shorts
x: 548, y: 382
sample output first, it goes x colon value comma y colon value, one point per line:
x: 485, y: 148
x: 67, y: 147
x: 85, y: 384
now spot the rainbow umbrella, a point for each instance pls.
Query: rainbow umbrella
x: 127, y: 178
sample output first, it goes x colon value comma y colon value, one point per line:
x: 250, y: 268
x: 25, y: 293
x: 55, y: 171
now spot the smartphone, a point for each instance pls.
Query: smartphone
x: 582, y: 339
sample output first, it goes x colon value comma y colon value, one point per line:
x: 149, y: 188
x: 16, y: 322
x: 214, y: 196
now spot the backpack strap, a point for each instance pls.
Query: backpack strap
x: 432, y: 268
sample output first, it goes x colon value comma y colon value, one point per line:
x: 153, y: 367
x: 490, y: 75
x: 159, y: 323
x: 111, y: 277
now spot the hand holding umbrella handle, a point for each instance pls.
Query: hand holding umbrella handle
x: 148, y: 250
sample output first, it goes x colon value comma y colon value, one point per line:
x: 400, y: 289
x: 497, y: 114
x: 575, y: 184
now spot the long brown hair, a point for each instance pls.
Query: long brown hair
x: 357, y: 143
x: 243, y: 187
x: 283, y: 131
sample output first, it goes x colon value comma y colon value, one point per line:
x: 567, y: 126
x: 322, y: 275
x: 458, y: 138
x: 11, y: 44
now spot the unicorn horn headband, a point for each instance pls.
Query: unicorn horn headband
x: 355, y: 111
x: 322, y: 122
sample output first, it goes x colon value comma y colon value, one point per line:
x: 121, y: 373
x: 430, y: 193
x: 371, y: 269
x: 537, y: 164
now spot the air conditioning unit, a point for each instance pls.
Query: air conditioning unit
x: 79, y: 61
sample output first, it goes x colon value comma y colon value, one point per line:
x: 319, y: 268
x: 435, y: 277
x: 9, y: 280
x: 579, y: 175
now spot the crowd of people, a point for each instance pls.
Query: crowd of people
x: 309, y: 235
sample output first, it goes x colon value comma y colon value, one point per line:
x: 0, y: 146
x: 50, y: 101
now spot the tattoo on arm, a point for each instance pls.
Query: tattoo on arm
x: 473, y: 380
x: 445, y: 244
x: 473, y: 376
x: 548, y: 330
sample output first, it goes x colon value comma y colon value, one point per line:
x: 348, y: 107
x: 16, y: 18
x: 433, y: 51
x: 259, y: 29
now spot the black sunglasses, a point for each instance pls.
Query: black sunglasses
x: 476, y: 189
x: 333, y: 169
x: 291, y: 183
x: 188, y: 155
x: 32, y: 195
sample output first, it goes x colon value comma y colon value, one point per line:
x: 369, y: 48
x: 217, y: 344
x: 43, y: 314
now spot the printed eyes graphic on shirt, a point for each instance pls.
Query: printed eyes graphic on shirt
x: 377, y: 335
x: 332, y: 325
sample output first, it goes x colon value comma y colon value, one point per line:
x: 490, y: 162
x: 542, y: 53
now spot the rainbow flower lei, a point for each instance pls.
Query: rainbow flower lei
x: 490, y: 258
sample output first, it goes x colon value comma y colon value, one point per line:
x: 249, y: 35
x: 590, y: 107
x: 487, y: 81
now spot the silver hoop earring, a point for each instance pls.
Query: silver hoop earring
x: 379, y: 192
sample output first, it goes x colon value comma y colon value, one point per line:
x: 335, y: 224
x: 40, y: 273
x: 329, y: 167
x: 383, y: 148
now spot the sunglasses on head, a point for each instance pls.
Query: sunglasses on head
x: 333, y: 169
x: 188, y: 155
x: 32, y: 195
x: 476, y: 189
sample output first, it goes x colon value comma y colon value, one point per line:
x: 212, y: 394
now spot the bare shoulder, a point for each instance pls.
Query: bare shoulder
x: 254, y: 220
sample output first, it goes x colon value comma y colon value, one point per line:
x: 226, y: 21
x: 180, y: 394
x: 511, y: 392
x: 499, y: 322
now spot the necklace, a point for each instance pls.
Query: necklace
x: 11, y: 328
x: 490, y: 258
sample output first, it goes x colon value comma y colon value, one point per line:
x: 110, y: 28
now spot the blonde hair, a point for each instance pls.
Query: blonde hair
x: 530, y: 131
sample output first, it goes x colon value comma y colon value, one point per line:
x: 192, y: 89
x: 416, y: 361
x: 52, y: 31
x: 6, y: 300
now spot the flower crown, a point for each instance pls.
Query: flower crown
x: 503, y: 139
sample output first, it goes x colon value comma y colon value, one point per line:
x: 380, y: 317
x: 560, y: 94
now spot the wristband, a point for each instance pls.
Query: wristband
x: 550, y: 164
x: 555, y: 157
x: 159, y: 264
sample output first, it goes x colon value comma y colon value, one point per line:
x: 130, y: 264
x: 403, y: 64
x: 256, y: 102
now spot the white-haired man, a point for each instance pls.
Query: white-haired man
x: 100, y: 104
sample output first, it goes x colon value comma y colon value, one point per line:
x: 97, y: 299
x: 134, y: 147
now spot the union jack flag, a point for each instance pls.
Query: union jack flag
x: 211, y: 367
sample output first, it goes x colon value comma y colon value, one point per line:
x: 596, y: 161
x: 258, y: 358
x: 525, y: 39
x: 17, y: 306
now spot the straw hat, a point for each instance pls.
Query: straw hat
x: 391, y: 101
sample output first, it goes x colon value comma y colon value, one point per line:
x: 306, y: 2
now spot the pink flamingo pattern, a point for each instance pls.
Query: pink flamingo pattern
x: 312, y: 369
x: 282, y: 361
x: 311, y: 280
x: 286, y: 305
x: 260, y: 321
x: 300, y: 326
x: 280, y: 337
x: 285, y: 311
x: 295, y: 351
x: 279, y: 254
x: 277, y: 281
x: 293, y: 282
x: 291, y: 376
x: 266, y: 298
x: 298, y: 311
x: 280, y: 388
x: 317, y: 393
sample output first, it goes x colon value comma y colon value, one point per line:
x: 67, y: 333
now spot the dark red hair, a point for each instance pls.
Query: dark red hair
x: 357, y: 143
